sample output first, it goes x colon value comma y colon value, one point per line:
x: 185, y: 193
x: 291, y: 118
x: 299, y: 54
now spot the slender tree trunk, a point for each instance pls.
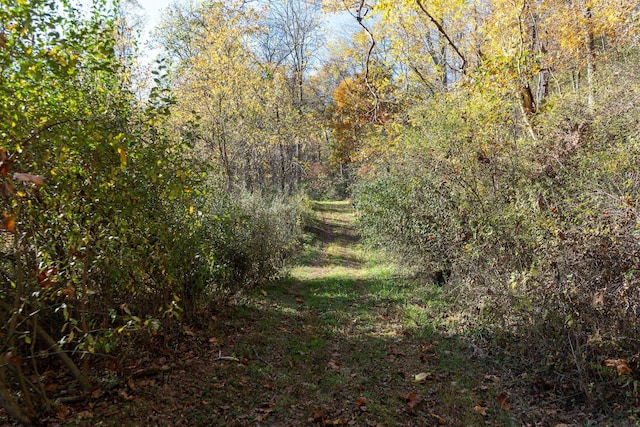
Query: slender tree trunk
x: 297, y: 161
x: 248, y: 181
x: 11, y: 406
x: 543, y: 86
x: 445, y: 71
x: 283, y: 167
x: 590, y: 53
x: 575, y: 80
x: 300, y: 83
x: 537, y: 45
x: 528, y: 108
x: 444, y: 33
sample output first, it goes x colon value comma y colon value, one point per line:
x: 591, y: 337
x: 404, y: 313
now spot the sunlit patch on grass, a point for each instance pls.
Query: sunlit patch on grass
x: 348, y: 325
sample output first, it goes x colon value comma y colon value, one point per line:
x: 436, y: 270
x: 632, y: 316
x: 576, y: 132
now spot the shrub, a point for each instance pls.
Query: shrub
x: 541, y: 235
x: 237, y: 241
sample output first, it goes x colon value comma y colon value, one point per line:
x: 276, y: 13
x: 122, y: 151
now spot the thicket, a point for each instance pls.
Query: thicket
x: 509, y: 166
x: 540, y: 235
x: 110, y: 224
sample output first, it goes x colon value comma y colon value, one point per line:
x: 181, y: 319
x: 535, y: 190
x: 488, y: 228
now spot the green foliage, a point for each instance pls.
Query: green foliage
x: 449, y: 193
x: 106, y: 226
x: 246, y: 240
x: 540, y: 234
x: 254, y: 120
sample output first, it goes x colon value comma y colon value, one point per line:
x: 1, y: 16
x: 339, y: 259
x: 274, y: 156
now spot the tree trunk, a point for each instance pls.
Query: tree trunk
x: 543, y: 86
x: 528, y: 107
x: 224, y: 158
x: 526, y: 97
x: 283, y: 168
x: 9, y: 404
x: 590, y: 51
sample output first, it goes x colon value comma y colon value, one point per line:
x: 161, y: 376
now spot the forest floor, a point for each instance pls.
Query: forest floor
x: 347, y: 338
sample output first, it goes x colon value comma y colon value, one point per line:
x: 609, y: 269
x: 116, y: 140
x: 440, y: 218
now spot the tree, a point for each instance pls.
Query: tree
x: 84, y: 188
x: 247, y: 112
x: 355, y: 114
x: 181, y: 30
x: 292, y: 36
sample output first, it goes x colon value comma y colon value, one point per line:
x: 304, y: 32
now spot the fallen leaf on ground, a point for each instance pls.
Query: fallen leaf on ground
x: 411, y: 398
x: 334, y: 365
x: 420, y: 377
x: 317, y: 415
x: 12, y: 358
x: 125, y: 395
x: 361, y: 403
x: 264, y: 411
x: 84, y: 415
x: 5, y: 163
x: 493, y: 378
x: 480, y: 409
x: 8, y: 223
x: 424, y: 346
x: 392, y: 351
x: 187, y: 331
x: 441, y: 421
x: 503, y: 401
x: 598, y: 299
x: 62, y: 412
x: 620, y: 364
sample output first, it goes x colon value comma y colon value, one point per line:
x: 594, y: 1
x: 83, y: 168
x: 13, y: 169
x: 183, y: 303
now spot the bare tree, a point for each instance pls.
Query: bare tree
x: 293, y: 37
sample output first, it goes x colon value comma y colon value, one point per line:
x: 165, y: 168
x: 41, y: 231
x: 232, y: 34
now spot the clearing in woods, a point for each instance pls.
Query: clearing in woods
x: 346, y: 339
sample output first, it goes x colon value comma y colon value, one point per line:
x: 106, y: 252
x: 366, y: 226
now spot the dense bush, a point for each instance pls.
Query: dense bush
x: 249, y: 237
x: 541, y: 234
x: 107, y: 224
x: 449, y: 195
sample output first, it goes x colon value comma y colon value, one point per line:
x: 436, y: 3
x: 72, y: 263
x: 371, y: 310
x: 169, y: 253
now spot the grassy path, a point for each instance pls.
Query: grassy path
x: 345, y: 340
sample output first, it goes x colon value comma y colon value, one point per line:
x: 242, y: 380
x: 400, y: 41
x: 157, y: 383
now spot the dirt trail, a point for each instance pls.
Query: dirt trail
x: 336, y: 238
x: 345, y: 340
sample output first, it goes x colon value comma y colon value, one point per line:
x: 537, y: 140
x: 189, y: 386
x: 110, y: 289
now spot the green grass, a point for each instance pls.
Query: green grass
x: 361, y: 306
x: 345, y: 325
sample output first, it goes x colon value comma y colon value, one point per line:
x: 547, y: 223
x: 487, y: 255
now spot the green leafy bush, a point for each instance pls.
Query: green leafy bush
x: 107, y: 226
x: 251, y: 237
x: 541, y: 234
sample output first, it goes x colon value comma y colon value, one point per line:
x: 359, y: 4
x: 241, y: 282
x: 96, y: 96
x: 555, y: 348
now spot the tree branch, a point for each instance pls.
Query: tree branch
x: 360, y: 17
x: 34, y: 133
x: 444, y: 33
x: 66, y: 360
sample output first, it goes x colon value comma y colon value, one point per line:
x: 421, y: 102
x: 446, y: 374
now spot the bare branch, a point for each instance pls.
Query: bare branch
x: 444, y: 34
x: 359, y: 16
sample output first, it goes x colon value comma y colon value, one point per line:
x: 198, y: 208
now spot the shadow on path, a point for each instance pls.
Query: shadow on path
x: 343, y: 341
